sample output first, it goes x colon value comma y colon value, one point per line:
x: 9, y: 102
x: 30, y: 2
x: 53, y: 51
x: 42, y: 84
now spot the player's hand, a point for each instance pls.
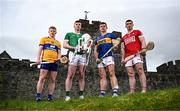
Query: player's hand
x: 58, y: 61
x: 123, y: 61
x: 89, y: 44
x: 115, y: 42
x: 142, y: 57
x: 38, y: 61
x: 143, y: 51
x: 98, y: 61
x: 75, y: 49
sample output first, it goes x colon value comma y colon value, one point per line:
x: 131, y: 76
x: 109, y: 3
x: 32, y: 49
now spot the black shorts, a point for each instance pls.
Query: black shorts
x: 50, y: 66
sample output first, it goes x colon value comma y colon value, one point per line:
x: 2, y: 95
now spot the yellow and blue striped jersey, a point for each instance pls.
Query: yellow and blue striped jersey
x: 50, y: 49
x: 104, y: 43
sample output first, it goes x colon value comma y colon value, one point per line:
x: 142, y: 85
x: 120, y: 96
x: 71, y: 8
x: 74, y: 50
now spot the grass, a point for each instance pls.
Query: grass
x: 168, y: 99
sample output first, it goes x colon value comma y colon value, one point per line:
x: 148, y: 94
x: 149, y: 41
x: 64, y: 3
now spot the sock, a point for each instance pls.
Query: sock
x: 115, y: 90
x: 81, y: 93
x: 38, y: 94
x: 67, y: 93
x: 49, y: 95
x: 102, y: 92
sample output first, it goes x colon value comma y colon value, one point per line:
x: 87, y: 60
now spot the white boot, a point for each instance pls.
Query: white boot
x: 81, y: 97
x: 67, y: 98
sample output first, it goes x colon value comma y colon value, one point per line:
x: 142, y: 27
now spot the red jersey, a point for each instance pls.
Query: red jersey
x: 132, y: 43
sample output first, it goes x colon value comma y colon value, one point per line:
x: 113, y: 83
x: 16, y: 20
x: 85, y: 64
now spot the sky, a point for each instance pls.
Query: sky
x: 24, y: 22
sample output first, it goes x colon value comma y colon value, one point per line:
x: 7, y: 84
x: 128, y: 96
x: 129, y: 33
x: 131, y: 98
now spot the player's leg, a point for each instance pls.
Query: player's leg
x: 103, y: 81
x: 82, y: 70
x: 81, y: 81
x: 68, y: 82
x: 113, y: 79
x: 131, y: 75
x: 138, y: 62
x: 70, y: 74
x: 40, y: 84
x: 142, y: 76
x: 51, y: 85
x: 132, y: 80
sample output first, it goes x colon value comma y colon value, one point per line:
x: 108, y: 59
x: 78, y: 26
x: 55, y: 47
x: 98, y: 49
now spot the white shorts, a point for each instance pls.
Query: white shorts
x: 134, y: 60
x: 106, y: 61
x: 76, y: 59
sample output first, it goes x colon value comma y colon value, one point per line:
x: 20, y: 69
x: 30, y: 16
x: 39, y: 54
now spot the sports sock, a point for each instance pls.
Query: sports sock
x: 115, y: 90
x: 81, y: 93
x: 102, y: 92
x: 67, y: 93
x: 38, y: 94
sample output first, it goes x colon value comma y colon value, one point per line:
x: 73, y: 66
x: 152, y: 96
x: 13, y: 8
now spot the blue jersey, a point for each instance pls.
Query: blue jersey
x: 104, y: 43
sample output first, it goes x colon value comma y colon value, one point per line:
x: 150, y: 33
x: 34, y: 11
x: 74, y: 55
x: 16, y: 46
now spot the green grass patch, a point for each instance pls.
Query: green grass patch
x: 168, y: 99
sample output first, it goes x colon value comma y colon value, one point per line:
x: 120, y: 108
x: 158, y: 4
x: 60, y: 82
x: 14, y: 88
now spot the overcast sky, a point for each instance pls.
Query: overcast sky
x: 24, y: 22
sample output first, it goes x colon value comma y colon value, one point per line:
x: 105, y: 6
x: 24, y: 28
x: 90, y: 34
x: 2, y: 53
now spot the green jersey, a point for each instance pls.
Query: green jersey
x: 73, y: 38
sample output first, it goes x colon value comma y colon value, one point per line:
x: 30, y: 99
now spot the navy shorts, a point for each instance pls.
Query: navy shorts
x: 49, y: 66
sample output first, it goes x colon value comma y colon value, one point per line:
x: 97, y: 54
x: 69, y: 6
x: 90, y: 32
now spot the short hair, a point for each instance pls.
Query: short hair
x: 129, y: 20
x: 77, y: 21
x: 103, y: 23
x: 52, y: 27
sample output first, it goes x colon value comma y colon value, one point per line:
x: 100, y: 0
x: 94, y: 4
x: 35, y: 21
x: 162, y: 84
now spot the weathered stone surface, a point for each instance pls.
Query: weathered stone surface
x: 19, y: 81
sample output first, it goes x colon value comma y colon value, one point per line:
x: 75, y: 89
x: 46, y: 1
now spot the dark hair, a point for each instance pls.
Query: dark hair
x: 103, y: 23
x: 77, y: 21
x: 129, y: 21
x: 52, y: 27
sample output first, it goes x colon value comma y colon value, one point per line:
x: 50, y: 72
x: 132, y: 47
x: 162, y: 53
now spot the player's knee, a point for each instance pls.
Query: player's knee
x: 130, y: 74
x: 52, y: 80
x: 81, y: 76
x: 140, y: 70
x: 111, y: 73
x: 104, y: 79
x: 102, y: 76
x: 41, y: 79
x: 70, y: 77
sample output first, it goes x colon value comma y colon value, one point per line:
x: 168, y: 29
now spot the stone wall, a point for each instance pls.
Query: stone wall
x: 169, y: 68
x: 18, y: 79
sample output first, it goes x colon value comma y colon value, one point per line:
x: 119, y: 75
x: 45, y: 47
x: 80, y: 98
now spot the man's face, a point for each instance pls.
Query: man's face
x: 103, y: 27
x: 77, y: 26
x: 129, y: 25
x: 52, y: 32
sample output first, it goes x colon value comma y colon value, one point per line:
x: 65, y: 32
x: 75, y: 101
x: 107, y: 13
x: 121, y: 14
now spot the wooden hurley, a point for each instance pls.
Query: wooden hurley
x: 150, y: 45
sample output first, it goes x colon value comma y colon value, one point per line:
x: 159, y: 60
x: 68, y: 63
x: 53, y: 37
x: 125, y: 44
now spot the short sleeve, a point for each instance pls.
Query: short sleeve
x: 112, y: 36
x: 121, y: 39
x: 139, y: 33
x: 42, y: 42
x: 59, y: 45
x: 66, y: 36
x: 95, y: 41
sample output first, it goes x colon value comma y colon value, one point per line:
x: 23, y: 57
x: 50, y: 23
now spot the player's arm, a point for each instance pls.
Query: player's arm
x: 115, y: 40
x: 59, y: 54
x: 122, y: 52
x: 143, y: 43
x: 143, y: 46
x: 67, y: 46
x: 96, y: 54
x: 116, y: 43
x: 39, y: 54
